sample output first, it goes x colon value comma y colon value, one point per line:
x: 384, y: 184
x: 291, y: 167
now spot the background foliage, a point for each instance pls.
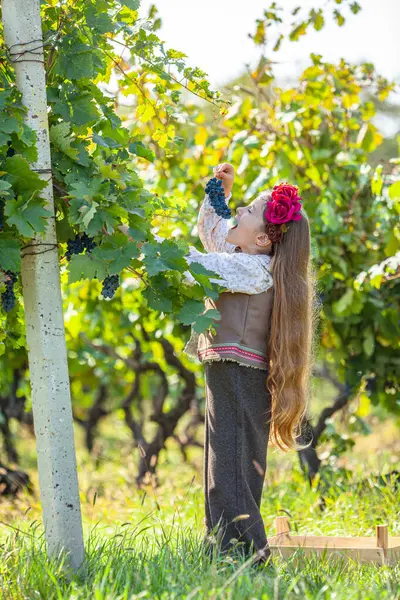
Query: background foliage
x: 141, y: 156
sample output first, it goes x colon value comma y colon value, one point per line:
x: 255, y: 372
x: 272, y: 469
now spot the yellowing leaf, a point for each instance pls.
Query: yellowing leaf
x: 171, y: 131
x: 145, y: 112
x: 314, y: 175
x: 200, y: 118
x: 394, y: 190
x: 364, y: 405
x: 349, y: 100
x: 161, y: 137
x: 201, y: 136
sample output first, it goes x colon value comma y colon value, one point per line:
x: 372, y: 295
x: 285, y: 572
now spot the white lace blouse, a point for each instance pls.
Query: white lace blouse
x: 238, y: 271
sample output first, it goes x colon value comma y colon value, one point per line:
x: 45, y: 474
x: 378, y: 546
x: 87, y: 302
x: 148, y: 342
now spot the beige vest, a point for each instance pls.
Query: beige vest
x: 243, y: 331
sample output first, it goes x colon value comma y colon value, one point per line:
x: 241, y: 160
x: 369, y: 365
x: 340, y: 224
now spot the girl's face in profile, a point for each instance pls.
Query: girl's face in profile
x: 249, y: 233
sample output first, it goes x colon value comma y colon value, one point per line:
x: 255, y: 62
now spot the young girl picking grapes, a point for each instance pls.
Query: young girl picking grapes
x: 258, y: 363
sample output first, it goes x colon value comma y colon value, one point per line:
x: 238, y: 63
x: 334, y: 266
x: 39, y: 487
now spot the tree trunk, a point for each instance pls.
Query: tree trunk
x: 43, y: 306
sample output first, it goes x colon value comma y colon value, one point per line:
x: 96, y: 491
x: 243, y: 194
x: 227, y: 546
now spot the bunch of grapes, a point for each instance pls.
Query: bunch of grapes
x: 216, y: 194
x: 8, y: 297
x: 110, y: 286
x: 79, y: 244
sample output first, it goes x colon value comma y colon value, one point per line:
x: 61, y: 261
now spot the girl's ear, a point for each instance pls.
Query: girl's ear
x: 262, y: 240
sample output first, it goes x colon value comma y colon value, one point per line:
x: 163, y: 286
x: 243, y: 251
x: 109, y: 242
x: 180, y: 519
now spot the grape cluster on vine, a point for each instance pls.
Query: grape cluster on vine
x: 110, y: 286
x: 215, y: 192
x: 79, y: 244
x: 8, y: 297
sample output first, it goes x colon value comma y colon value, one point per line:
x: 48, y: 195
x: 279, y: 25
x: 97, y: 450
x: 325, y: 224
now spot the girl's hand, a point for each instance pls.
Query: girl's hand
x: 226, y: 173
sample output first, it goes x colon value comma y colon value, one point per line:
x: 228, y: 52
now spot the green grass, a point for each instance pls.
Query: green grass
x: 127, y: 565
x: 147, y: 543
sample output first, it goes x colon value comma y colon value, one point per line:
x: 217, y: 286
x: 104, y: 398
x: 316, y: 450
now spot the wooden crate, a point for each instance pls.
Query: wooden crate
x: 381, y: 549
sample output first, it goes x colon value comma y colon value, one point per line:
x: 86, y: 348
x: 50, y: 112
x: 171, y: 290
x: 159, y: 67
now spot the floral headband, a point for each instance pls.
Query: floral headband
x: 284, y: 206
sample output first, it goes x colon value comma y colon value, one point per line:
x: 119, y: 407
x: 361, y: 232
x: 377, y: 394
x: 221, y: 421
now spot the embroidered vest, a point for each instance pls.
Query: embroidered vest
x: 243, y: 331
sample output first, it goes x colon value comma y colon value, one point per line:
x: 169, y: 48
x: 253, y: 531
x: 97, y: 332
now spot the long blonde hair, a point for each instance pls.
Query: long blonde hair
x: 291, y: 344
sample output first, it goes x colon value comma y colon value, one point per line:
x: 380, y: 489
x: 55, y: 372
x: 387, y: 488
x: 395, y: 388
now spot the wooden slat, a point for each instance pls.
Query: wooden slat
x: 382, y: 536
x: 282, y: 525
x: 380, y: 549
x: 367, y: 555
x: 330, y: 541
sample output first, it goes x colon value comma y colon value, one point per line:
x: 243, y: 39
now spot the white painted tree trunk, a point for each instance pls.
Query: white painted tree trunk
x: 59, y: 492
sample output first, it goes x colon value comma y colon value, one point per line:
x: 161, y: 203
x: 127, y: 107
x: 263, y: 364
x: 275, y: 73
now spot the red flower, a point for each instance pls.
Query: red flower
x: 284, y: 205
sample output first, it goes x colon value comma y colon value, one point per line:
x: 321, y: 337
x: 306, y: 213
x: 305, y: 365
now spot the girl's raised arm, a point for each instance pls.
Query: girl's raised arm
x: 212, y: 228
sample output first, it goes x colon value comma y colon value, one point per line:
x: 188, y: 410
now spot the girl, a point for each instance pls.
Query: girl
x: 258, y: 363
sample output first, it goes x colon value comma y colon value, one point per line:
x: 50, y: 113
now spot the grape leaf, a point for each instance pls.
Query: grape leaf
x: 163, y: 257
x: 23, y: 180
x: 4, y: 187
x: 140, y: 149
x: 10, y: 255
x: 190, y: 311
x: 76, y: 61
x: 115, y: 253
x: 132, y: 4
x: 61, y: 139
x: 9, y: 124
x: 84, y: 111
x: 190, y: 314
x: 355, y: 7
x: 201, y: 274
x: 156, y: 301
x: 86, y: 266
x: 27, y: 215
x: 106, y: 142
x: 99, y: 20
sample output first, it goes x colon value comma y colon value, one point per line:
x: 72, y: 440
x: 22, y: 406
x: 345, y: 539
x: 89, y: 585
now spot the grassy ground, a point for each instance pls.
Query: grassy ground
x: 148, y: 543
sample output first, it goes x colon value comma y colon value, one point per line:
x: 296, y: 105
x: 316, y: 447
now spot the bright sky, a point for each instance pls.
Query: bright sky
x: 213, y: 33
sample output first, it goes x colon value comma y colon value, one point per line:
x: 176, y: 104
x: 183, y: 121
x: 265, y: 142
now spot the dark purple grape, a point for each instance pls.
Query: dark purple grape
x: 110, y: 286
x: 88, y: 242
x: 215, y: 191
x: 8, y: 297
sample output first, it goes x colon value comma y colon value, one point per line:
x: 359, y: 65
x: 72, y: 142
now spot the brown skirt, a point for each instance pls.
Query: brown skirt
x: 238, y: 409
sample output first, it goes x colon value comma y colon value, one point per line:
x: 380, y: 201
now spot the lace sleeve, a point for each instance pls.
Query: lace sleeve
x: 212, y: 228
x: 239, y: 272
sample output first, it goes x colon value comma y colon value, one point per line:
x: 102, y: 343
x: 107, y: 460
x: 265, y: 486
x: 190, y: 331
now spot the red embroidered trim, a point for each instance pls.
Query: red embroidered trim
x: 234, y: 350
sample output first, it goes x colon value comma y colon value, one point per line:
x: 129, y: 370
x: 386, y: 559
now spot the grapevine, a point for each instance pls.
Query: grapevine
x: 110, y: 285
x: 8, y: 297
x: 216, y: 194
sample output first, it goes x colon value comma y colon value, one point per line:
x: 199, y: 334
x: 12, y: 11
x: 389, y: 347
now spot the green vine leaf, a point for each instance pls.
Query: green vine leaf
x: 163, y: 257
x: 191, y: 314
x: 24, y: 181
x: 140, y: 149
x: 132, y: 4
x: 86, y: 266
x: 10, y: 255
x: 61, y: 138
x: 28, y: 216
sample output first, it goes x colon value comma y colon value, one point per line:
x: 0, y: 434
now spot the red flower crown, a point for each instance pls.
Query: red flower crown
x: 284, y: 206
